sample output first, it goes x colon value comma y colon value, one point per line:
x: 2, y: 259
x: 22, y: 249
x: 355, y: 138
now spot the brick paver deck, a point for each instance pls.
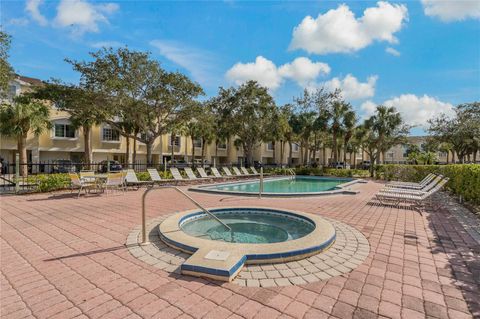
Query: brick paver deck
x: 63, y: 257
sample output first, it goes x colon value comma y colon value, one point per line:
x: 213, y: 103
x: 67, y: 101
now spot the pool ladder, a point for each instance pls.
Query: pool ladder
x: 144, y: 220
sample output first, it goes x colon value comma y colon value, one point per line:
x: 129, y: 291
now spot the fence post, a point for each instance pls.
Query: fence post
x: 17, y: 173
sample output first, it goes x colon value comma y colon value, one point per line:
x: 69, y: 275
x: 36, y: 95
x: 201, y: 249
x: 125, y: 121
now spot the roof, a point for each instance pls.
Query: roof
x: 29, y: 80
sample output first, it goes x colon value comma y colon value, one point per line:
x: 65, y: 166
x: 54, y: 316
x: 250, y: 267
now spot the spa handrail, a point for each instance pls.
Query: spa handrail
x: 144, y: 223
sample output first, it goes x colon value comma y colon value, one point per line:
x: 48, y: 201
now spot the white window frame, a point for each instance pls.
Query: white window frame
x: 295, y: 148
x: 179, y: 144
x: 63, y: 122
x: 220, y: 146
x: 108, y: 127
x: 195, y: 142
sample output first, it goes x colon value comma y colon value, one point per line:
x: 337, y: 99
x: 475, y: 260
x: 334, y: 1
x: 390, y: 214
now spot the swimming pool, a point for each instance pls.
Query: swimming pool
x: 284, y: 186
x: 252, y: 226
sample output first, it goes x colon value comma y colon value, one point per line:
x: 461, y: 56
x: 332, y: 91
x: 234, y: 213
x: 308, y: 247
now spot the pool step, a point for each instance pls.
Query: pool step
x: 215, y: 264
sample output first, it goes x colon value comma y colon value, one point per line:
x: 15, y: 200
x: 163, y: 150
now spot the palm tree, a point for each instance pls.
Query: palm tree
x: 25, y: 114
x: 337, y: 113
x: 349, y: 121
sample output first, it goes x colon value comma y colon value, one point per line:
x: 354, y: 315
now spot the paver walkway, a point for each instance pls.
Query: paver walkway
x: 63, y: 257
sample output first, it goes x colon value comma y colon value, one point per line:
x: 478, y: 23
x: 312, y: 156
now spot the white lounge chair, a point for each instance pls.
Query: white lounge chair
x: 227, y: 172
x: 176, y: 174
x: 156, y: 178
x: 237, y: 171
x: 419, y: 185
x: 397, y: 198
x: 204, y: 174
x: 132, y: 180
x: 191, y: 175
x: 424, y: 189
x: 245, y: 172
x: 216, y: 173
x: 256, y: 172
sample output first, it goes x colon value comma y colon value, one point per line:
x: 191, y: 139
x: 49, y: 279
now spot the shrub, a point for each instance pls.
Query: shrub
x: 314, y: 171
x: 144, y: 176
x: 49, y: 182
x: 347, y: 172
x: 464, y: 178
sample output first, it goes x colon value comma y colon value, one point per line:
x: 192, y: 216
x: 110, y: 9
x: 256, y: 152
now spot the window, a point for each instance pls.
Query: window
x: 64, y: 130
x: 175, y: 140
x: 197, y: 142
x: 222, y: 146
x: 110, y: 135
x: 270, y: 146
x: 390, y: 155
x: 295, y: 147
x: 13, y: 90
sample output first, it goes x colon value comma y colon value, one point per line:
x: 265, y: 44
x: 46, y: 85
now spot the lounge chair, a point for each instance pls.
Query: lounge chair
x: 76, y: 182
x: 176, y: 174
x: 216, y: 173
x: 399, y: 197
x: 424, y: 189
x: 227, y: 172
x: 204, y: 174
x: 115, y: 181
x: 237, y: 171
x: 191, y: 175
x: 245, y: 172
x: 256, y: 172
x: 155, y: 177
x: 132, y: 180
x: 419, y: 185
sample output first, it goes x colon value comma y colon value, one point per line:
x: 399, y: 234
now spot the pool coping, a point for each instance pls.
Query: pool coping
x: 340, y: 189
x: 320, y: 239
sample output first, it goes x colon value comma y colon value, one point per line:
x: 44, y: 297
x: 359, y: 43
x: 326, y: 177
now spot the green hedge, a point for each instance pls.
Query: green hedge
x: 49, y: 182
x: 317, y: 171
x: 464, y: 178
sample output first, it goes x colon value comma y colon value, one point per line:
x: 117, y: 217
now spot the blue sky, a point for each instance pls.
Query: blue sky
x: 421, y: 57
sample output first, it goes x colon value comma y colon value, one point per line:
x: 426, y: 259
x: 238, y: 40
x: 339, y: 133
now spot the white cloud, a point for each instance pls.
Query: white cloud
x: 82, y: 15
x: 262, y: 70
x: 452, y: 10
x: 368, y: 108
x: 392, y: 51
x: 338, y: 30
x: 18, y: 22
x: 32, y: 7
x: 301, y: 70
x: 200, y: 63
x: 352, y: 89
x: 415, y: 110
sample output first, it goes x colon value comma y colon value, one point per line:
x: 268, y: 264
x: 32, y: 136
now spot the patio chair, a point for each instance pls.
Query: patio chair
x: 156, y: 178
x: 76, y: 182
x: 204, y: 174
x: 396, y: 198
x: 419, y: 185
x: 256, y: 172
x: 227, y: 171
x: 191, y: 175
x: 132, y: 180
x: 176, y: 174
x: 215, y: 172
x: 424, y: 189
x: 114, y: 181
x: 245, y: 172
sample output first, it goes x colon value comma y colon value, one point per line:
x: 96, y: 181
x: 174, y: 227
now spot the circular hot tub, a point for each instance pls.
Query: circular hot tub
x: 248, y: 225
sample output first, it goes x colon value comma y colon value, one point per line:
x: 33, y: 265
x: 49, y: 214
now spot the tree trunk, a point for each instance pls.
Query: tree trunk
x: 345, y: 155
x: 127, y: 151
x: 203, y: 152
x: 172, y: 141
x: 193, y: 152
x: 22, y: 154
x: 372, y: 166
x: 87, y: 140
x: 149, y: 145
x: 134, y: 155
x: 334, y: 145
x: 290, y: 151
x: 324, y: 154
x: 248, y: 154
x: 274, y: 155
x: 448, y: 156
x: 355, y: 159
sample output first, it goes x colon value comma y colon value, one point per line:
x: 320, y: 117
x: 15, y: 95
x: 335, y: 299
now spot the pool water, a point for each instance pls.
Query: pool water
x: 248, y: 226
x: 300, y: 184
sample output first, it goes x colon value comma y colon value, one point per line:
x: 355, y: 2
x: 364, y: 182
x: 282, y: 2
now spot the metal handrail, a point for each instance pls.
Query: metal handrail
x: 144, y: 222
x: 292, y: 173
